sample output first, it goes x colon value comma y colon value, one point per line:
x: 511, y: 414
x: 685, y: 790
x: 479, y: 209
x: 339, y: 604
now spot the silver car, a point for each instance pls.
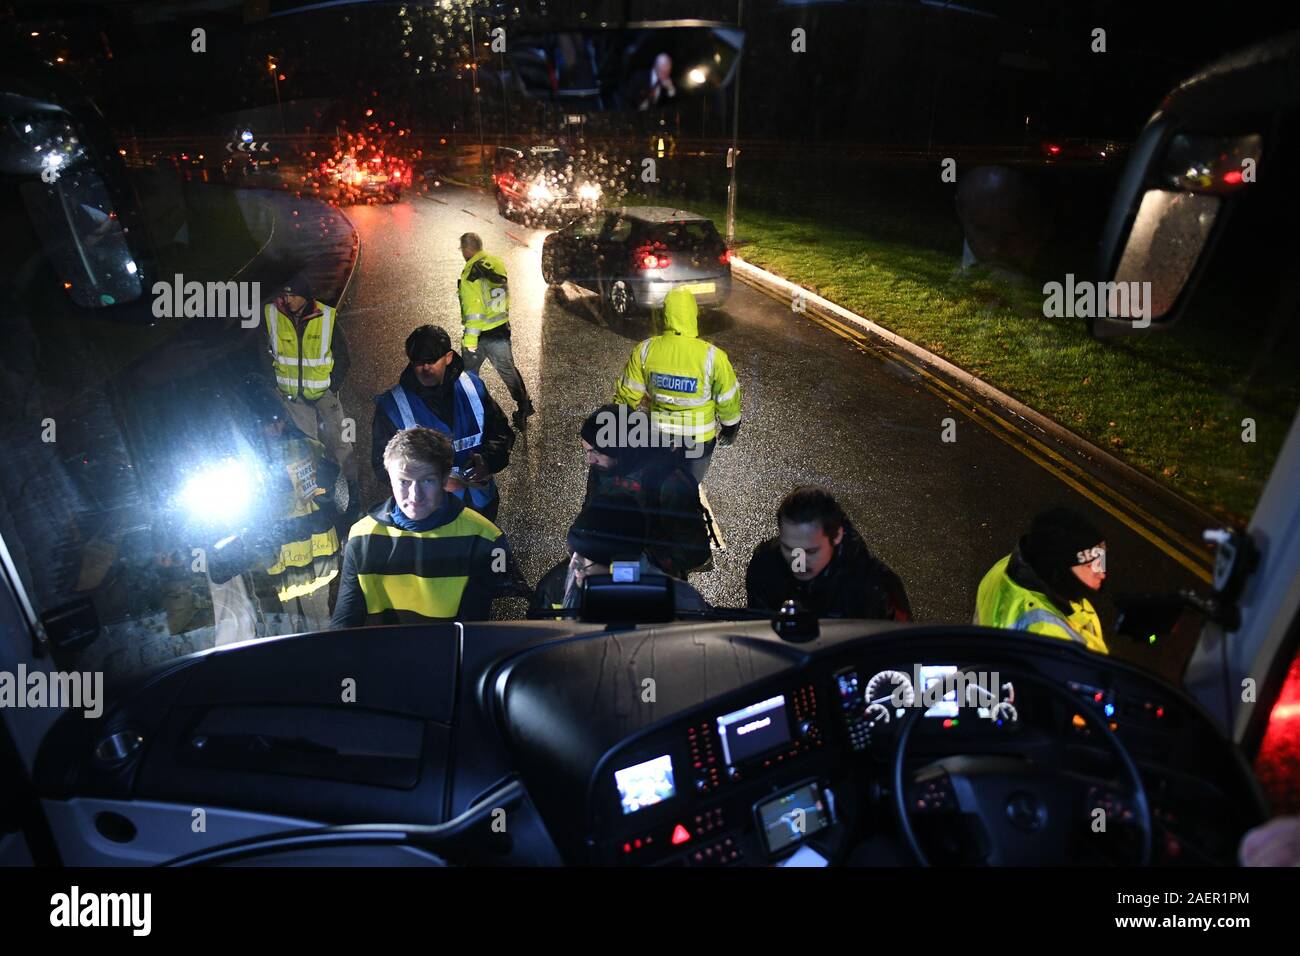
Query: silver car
x: 634, y: 256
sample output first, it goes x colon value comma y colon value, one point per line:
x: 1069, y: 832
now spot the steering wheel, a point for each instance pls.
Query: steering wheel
x: 1026, y: 810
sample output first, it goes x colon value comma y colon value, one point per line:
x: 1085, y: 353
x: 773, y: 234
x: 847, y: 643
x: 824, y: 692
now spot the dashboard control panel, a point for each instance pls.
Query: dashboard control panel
x: 694, y: 795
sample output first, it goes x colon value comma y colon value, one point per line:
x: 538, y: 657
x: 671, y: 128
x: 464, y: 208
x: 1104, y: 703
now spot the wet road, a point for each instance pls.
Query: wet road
x: 816, y: 410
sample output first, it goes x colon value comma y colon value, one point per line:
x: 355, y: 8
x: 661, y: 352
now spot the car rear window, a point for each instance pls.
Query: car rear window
x: 694, y: 236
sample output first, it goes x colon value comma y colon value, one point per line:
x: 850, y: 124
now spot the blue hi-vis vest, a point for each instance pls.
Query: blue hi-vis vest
x: 407, y: 410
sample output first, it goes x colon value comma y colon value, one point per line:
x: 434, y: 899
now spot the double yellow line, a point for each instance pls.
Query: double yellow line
x: 1186, y: 551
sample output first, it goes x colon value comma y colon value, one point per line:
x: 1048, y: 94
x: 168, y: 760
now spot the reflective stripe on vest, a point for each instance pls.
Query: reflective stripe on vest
x: 403, y: 407
x: 1041, y: 616
x: 405, y: 404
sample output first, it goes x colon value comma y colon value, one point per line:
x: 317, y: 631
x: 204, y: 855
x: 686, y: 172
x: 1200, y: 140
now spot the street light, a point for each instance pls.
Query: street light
x: 271, y: 65
x: 473, y: 80
x: 734, y: 151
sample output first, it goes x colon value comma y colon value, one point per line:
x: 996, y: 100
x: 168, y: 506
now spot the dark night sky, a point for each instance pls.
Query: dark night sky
x: 883, y: 71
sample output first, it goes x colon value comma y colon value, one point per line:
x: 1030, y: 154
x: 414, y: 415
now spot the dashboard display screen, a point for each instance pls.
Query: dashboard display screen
x: 791, y: 817
x: 755, y: 730
x: 645, y: 784
x: 938, y: 673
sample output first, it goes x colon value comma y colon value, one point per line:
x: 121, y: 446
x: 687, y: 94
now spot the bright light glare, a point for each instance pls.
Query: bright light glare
x: 589, y: 191
x: 220, y: 492
x: 130, y: 267
x: 540, y: 192
x: 696, y: 76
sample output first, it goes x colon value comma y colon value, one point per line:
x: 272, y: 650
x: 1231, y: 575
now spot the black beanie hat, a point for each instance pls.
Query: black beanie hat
x: 620, y: 431
x: 610, y: 528
x: 298, y: 285
x: 1055, y: 541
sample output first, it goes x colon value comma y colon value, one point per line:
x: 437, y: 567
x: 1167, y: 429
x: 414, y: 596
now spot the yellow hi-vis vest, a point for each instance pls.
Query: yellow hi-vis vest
x: 686, y: 384
x: 309, y: 564
x: 421, y: 575
x: 302, y: 368
x: 1001, y: 602
x: 484, y: 298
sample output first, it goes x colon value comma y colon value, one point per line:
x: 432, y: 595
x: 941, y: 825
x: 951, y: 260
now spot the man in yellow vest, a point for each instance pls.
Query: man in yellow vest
x: 309, y: 359
x: 485, y: 317
x: 287, y: 540
x: 422, y: 555
x: 687, y: 385
x: 1043, y: 585
x: 307, y: 559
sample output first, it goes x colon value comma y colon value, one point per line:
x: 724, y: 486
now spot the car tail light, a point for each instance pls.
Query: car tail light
x: 648, y: 258
x: 725, y: 257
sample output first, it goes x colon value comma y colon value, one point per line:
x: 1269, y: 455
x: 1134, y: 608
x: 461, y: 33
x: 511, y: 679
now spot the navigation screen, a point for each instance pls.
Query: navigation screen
x: 645, y: 784
x: 755, y: 730
x: 947, y: 705
x: 792, y: 817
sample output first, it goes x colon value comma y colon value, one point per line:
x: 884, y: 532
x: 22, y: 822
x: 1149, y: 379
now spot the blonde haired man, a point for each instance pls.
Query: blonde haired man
x: 421, y: 555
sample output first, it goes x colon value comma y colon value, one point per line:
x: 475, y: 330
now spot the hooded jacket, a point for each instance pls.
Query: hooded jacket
x: 855, y: 584
x: 498, y: 436
x: 686, y: 384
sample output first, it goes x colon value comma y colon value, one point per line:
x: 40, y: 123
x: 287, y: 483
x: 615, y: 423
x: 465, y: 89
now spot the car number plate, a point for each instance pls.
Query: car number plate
x: 699, y: 288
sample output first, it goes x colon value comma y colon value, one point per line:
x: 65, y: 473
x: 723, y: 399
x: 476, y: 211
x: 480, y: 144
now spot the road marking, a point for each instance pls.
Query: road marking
x: 516, y: 238
x: 259, y: 251
x: 1067, y: 472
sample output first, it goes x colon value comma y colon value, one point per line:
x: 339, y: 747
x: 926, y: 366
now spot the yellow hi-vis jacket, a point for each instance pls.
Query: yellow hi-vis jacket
x: 484, y: 298
x: 1001, y: 602
x: 686, y: 384
x: 309, y: 563
x: 302, y: 363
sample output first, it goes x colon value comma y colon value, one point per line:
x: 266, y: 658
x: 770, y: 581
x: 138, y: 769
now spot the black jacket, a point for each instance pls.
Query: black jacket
x: 855, y: 584
x: 677, y: 540
x: 498, y: 436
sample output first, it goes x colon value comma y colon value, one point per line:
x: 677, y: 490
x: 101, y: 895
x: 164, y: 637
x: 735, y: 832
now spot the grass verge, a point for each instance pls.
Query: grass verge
x: 1172, y: 405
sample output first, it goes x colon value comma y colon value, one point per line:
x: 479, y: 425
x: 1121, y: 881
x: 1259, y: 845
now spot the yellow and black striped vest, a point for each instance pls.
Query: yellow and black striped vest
x: 413, y: 576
